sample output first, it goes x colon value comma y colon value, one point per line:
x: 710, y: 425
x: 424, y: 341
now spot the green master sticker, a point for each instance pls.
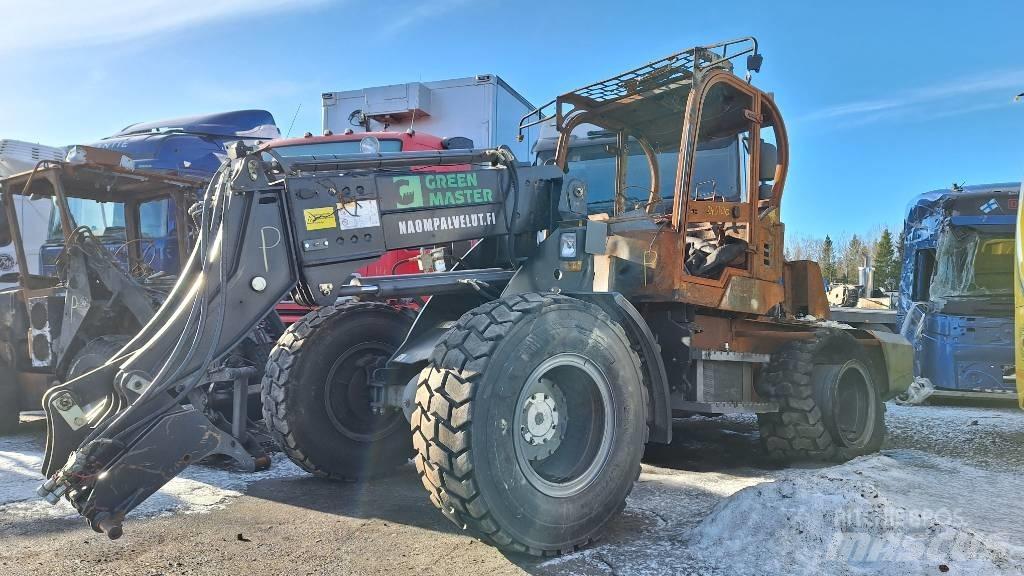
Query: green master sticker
x: 441, y: 190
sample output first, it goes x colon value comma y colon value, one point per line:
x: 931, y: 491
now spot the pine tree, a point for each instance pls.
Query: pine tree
x: 900, y: 240
x: 886, y: 266
x: 851, y: 260
x: 828, y: 262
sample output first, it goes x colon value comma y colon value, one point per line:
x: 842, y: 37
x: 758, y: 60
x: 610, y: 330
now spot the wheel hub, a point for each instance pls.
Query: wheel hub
x: 348, y: 392
x: 540, y: 415
x: 564, y: 422
x: 542, y: 420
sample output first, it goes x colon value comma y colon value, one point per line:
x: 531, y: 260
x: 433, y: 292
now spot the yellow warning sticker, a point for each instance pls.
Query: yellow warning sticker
x: 319, y: 218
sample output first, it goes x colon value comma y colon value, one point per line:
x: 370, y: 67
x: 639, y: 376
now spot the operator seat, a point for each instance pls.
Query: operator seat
x: 708, y: 260
x: 732, y: 249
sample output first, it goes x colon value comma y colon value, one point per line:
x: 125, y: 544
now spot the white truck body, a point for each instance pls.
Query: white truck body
x: 33, y: 215
x: 482, y: 108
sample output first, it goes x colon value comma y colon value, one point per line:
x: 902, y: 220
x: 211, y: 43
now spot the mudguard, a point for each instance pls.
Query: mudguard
x: 898, y: 355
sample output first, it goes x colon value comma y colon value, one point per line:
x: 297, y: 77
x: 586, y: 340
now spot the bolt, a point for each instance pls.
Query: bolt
x: 79, y: 421
x: 64, y: 402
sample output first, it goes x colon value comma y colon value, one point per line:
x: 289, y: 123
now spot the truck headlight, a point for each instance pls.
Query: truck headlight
x: 567, y: 245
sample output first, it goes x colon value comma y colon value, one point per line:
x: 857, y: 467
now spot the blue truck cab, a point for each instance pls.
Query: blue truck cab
x: 956, y: 288
x: 192, y: 146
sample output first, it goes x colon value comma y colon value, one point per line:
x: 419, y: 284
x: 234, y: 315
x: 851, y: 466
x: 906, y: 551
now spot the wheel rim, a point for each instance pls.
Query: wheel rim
x: 854, y: 406
x: 564, y: 425
x: 347, y: 393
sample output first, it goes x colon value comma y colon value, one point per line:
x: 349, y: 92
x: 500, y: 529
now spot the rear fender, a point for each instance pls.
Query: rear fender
x: 433, y: 321
x: 897, y: 357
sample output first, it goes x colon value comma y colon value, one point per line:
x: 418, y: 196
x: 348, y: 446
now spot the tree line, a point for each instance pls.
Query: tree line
x: 841, y: 257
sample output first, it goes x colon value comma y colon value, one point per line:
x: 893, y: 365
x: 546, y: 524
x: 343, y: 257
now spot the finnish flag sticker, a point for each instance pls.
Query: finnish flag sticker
x: 990, y: 206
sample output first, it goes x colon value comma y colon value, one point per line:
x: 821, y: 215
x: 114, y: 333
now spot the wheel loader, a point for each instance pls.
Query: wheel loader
x: 631, y: 275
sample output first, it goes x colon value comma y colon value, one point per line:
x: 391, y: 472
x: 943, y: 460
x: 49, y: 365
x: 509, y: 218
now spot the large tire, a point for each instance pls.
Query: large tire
x: 830, y: 406
x: 94, y: 354
x: 483, y: 463
x: 10, y: 401
x: 316, y: 394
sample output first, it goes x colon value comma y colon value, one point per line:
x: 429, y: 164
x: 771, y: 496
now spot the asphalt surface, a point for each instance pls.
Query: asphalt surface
x: 301, y: 525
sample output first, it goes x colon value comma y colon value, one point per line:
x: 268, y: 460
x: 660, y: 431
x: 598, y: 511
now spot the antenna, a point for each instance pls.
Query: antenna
x: 294, y: 116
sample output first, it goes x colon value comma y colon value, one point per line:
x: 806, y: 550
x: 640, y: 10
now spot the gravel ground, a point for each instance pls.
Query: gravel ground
x: 944, y: 495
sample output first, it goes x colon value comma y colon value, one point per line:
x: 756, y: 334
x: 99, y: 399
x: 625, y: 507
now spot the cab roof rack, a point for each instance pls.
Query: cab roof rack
x: 654, y: 77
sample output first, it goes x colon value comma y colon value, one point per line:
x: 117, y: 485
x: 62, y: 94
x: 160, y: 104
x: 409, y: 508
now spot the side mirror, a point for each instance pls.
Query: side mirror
x: 10, y: 278
x: 754, y: 62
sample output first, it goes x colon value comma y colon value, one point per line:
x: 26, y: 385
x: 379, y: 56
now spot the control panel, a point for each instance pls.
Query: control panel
x: 359, y: 217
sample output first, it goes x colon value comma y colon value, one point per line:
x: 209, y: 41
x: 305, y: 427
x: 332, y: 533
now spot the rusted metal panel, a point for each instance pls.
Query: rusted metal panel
x: 751, y: 296
x: 805, y: 289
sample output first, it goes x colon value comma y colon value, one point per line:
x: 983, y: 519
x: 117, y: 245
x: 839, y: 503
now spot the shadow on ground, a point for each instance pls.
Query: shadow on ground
x: 726, y: 446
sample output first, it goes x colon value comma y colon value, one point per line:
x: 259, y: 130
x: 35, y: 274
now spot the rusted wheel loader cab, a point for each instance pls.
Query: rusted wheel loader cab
x: 633, y: 273
x: 668, y: 294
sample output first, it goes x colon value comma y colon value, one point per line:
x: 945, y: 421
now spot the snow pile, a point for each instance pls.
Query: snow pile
x: 903, y: 512
x: 199, y: 489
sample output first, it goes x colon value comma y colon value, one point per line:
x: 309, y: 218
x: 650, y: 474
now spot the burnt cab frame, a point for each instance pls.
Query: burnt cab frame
x: 101, y: 183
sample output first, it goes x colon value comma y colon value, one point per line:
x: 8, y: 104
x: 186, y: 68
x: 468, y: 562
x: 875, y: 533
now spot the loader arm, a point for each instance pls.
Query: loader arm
x: 117, y: 434
x: 128, y: 425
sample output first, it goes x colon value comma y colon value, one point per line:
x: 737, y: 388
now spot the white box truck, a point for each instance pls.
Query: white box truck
x: 482, y: 108
x: 33, y: 215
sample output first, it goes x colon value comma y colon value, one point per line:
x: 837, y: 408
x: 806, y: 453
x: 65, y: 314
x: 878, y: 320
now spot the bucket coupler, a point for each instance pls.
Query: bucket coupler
x: 117, y: 434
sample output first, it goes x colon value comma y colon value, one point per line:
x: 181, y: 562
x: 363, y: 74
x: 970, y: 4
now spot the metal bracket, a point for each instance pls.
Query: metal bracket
x: 69, y: 410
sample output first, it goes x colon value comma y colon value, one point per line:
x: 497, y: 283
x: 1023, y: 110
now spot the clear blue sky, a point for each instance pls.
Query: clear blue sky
x: 882, y: 99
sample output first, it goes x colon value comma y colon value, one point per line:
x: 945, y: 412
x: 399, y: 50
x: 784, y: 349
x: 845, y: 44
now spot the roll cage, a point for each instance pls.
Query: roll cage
x: 683, y: 102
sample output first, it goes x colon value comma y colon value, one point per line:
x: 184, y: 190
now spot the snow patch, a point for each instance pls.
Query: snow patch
x: 991, y: 438
x: 824, y: 323
x: 199, y: 489
x: 902, y: 512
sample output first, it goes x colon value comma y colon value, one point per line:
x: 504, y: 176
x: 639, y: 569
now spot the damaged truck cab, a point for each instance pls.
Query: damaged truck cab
x: 956, y: 288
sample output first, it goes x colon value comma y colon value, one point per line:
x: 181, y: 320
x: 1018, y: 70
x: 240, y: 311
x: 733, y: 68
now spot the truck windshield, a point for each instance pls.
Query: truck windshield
x: 594, y: 163
x: 969, y: 263
x: 102, y: 218
x: 334, y: 148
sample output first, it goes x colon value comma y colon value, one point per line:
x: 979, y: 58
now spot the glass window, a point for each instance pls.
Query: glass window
x: 156, y: 218
x: 718, y: 172
x: 591, y: 158
x: 969, y: 263
x: 333, y: 148
x: 723, y: 136
x: 769, y: 157
x: 104, y: 219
